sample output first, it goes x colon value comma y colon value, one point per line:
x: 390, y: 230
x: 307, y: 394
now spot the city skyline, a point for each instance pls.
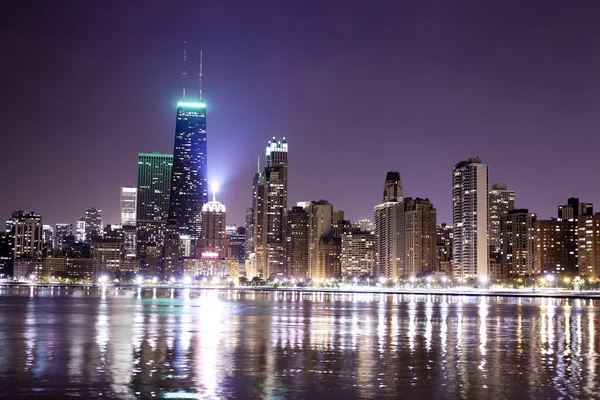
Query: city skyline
x: 511, y: 110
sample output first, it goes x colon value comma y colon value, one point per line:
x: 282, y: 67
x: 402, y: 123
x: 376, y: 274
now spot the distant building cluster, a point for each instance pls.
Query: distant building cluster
x: 168, y: 228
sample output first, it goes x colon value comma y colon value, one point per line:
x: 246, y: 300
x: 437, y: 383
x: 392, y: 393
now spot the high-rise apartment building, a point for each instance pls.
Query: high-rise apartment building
x: 389, y: 229
x: 93, y: 223
x: 420, y: 236
x: 154, y: 185
x: 28, y: 239
x: 518, y: 243
x: 330, y: 249
x: 470, y: 219
x: 128, y: 204
x: 500, y: 202
x: 588, y: 252
x: 61, y: 231
x: 444, y: 248
x: 296, y: 243
x: 320, y: 214
x: 358, y: 253
x: 556, y: 246
x: 574, y: 209
x: 189, y: 182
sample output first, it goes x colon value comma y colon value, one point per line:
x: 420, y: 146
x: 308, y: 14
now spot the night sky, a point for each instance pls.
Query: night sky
x: 357, y: 88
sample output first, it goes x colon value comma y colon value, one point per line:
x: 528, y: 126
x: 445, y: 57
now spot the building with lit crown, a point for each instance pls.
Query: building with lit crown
x: 189, y: 179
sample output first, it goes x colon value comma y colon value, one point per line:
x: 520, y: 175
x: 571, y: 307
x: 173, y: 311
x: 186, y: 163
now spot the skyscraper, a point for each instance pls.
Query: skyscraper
x: 389, y: 229
x: 60, y: 232
x: 213, y: 241
x: 270, y: 204
x: 276, y: 172
x: 296, y: 243
x: 154, y: 184
x: 470, y: 219
x: 500, y: 201
x: 518, y: 242
x: 419, y: 236
x: 128, y: 204
x: 189, y: 182
x: 320, y: 220
x: 93, y: 223
x: 28, y: 239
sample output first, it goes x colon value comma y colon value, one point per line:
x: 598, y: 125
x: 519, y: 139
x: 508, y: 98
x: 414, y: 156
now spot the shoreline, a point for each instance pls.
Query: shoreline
x: 541, y: 293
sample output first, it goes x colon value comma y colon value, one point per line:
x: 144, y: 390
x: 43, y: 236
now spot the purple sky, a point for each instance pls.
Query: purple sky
x: 358, y: 88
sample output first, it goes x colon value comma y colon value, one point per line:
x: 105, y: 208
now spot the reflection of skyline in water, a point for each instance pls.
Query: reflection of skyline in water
x: 123, y: 343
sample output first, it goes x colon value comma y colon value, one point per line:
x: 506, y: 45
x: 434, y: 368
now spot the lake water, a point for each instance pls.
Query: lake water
x: 161, y: 343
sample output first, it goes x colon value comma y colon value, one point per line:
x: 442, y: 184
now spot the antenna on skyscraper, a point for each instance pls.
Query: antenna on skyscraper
x: 258, y: 166
x: 200, y: 79
x: 184, y: 71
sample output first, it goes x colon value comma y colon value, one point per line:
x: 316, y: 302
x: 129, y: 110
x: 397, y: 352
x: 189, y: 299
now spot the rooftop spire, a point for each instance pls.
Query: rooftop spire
x: 200, y: 79
x: 183, y: 74
x: 258, y: 165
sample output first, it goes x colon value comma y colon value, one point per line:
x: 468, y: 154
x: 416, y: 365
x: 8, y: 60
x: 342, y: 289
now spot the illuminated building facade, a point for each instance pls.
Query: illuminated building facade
x: 93, y: 223
x: 358, y: 253
x: 61, y: 231
x: 152, y: 207
x: 419, y: 236
x: 296, y: 243
x: 189, y: 181
x: 518, y: 243
x: 389, y: 229
x: 444, y: 248
x: 270, y: 205
x: 470, y: 219
x: 28, y: 240
x: 320, y: 226
x: 500, y: 202
x: 128, y: 204
x: 556, y: 246
x: 213, y: 242
x: 588, y: 252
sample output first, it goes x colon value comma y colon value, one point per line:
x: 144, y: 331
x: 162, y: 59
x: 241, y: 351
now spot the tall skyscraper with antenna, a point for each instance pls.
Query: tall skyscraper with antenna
x: 189, y: 182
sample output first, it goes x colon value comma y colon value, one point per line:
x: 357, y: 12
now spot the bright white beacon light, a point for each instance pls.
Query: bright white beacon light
x: 187, y: 280
x: 139, y: 280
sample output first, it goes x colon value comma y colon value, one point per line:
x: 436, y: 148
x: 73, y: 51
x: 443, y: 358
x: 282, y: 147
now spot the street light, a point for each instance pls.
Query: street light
x: 412, y: 280
x: 103, y: 279
x: 550, y: 279
x: 187, y: 280
x: 32, y: 277
x: 139, y: 279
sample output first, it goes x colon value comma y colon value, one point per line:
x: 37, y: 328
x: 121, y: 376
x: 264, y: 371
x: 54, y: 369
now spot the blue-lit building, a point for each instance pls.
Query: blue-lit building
x: 189, y: 186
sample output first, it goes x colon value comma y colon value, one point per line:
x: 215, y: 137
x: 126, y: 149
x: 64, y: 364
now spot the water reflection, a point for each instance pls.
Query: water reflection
x: 148, y: 343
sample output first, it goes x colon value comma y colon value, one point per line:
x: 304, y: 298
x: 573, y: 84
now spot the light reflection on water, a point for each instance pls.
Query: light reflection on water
x: 206, y: 344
